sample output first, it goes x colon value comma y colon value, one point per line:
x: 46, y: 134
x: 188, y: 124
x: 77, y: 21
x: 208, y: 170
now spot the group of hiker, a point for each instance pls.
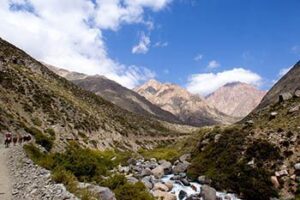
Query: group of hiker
x: 9, y: 138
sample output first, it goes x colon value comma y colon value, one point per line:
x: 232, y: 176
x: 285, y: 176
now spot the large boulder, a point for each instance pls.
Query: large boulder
x: 158, y: 172
x: 146, y: 172
x: 285, y: 96
x: 164, y: 195
x: 208, y: 193
x: 180, y: 167
x: 147, y: 181
x: 185, y: 157
x: 161, y: 187
x: 167, y: 166
x: 182, y: 194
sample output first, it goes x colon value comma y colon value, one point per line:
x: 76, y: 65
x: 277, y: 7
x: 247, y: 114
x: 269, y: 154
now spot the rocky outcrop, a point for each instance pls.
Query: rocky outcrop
x: 31, y: 181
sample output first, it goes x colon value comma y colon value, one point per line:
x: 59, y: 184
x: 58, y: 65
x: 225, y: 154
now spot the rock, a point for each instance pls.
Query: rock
x: 123, y: 169
x: 167, y: 166
x: 273, y: 115
x: 297, y: 166
x: 297, y: 93
x: 146, y: 172
x: 147, y: 182
x: 249, y: 122
x: 294, y: 109
x: 131, y: 161
x: 185, y: 182
x: 180, y: 167
x: 208, y: 193
x: 132, y: 180
x: 170, y: 185
x: 203, y: 180
x: 161, y: 187
x: 281, y: 173
x: 153, y: 160
x: 285, y: 96
x: 275, y: 181
x: 163, y: 195
x: 217, y: 138
x: 158, y: 172
x: 185, y: 157
x: 182, y: 194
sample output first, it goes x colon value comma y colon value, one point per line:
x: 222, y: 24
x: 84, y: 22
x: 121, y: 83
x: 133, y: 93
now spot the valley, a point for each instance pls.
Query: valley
x: 95, y: 139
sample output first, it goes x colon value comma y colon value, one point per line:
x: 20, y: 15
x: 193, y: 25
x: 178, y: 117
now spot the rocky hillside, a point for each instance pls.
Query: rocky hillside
x: 257, y: 158
x: 37, y: 101
x: 191, y: 109
x: 236, y: 99
x: 116, y: 93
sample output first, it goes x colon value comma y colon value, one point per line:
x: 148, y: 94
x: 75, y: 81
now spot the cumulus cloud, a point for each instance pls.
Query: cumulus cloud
x: 206, y: 83
x: 68, y: 33
x: 143, y: 46
x: 213, y: 64
x: 198, y: 57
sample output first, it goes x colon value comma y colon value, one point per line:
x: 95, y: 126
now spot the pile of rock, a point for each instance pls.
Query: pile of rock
x: 31, y: 181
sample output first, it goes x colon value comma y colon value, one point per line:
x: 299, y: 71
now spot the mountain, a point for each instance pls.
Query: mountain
x: 116, y: 93
x: 189, y: 108
x: 37, y: 101
x: 236, y: 99
x: 258, y: 157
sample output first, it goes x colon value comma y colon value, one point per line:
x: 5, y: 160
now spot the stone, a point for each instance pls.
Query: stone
x: 185, y: 182
x: 170, y: 185
x: 203, y: 180
x: 131, y: 161
x: 273, y: 114
x: 123, y: 169
x: 180, y: 167
x: 164, y: 195
x: 281, y: 173
x: 147, y: 182
x: 167, y: 166
x: 297, y: 93
x: 275, y: 181
x: 217, y: 138
x: 297, y: 166
x: 285, y: 96
x: 146, y: 172
x: 158, y: 172
x: 208, y: 193
x: 249, y: 122
x: 185, y: 157
x: 182, y: 194
x: 294, y: 109
x: 153, y: 160
x: 161, y: 187
x: 132, y: 180
x: 102, y: 193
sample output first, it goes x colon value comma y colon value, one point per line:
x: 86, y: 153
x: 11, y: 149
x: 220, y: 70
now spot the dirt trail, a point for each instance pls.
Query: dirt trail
x: 5, y: 182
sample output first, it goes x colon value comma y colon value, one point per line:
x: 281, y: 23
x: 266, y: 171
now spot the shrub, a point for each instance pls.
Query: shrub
x: 135, y: 191
x: 40, y: 138
x: 162, y: 153
x: 37, y: 121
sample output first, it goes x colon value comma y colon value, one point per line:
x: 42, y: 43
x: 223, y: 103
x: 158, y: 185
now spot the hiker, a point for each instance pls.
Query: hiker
x: 7, y: 139
x: 20, y: 139
x: 15, y: 140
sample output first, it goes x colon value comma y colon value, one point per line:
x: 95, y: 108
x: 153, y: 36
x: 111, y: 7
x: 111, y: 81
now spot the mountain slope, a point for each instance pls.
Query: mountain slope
x: 191, y: 109
x: 257, y: 158
x: 37, y: 101
x: 236, y: 99
x: 116, y: 93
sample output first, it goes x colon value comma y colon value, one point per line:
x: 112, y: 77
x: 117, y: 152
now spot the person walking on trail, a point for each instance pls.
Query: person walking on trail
x: 8, y: 138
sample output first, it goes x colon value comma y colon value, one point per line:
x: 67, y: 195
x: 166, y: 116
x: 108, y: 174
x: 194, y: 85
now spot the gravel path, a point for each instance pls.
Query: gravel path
x: 5, y: 181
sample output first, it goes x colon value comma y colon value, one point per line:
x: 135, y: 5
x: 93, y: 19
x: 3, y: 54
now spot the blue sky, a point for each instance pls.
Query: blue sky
x: 257, y: 35
x: 198, y: 44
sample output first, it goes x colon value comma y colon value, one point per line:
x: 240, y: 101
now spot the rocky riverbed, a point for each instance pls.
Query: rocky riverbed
x: 169, y: 181
x: 31, y: 181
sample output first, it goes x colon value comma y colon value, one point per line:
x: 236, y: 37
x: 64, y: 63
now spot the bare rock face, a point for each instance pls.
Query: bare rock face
x: 191, y: 109
x: 236, y: 99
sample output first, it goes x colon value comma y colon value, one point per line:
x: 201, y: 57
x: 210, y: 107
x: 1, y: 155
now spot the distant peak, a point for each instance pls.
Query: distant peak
x: 153, y: 81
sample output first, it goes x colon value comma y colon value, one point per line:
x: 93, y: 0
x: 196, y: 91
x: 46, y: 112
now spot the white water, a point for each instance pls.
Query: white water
x: 190, y: 191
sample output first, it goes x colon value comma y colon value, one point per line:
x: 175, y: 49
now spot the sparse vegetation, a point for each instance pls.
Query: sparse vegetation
x: 40, y: 138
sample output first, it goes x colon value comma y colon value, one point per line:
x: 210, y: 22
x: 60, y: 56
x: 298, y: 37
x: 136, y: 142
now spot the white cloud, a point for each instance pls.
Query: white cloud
x: 207, y: 83
x: 68, y: 33
x: 198, y: 57
x: 213, y: 64
x: 283, y: 71
x: 161, y: 44
x: 143, y: 46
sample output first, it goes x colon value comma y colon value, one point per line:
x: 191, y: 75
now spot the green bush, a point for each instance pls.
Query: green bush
x: 40, y: 138
x: 135, y: 191
x: 162, y: 153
